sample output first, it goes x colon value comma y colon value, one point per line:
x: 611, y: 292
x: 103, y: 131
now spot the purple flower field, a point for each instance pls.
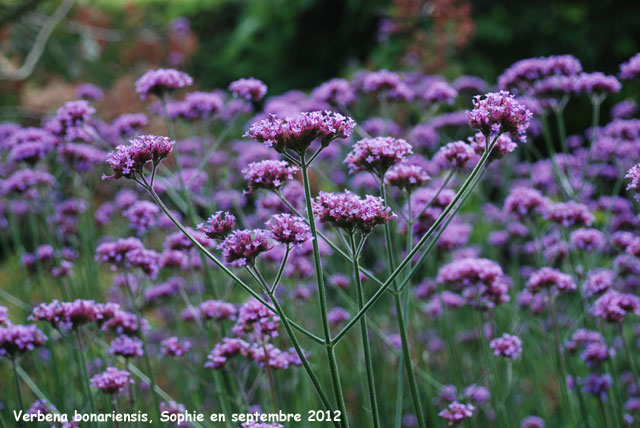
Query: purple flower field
x: 390, y: 250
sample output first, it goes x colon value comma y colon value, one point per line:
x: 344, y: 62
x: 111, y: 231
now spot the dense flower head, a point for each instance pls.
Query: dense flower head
x: 219, y: 225
x: 26, y: 182
x: 381, y: 80
x: 457, y: 412
x: 439, y: 92
x: 128, y: 160
x: 250, y: 89
x: 112, y: 380
x: 633, y: 175
x: 406, y: 177
x: 499, y: 112
x: 170, y: 287
x: 552, y: 91
x: 508, y: 346
x: 597, y: 385
x: 522, y: 74
x: 347, y: 210
x: 257, y: 319
x: 227, y: 348
x: 115, y: 252
x: 424, y: 136
x: 241, y: 247
x: 337, y: 92
x: 456, y: 154
x: 596, y: 83
x: 631, y: 68
x: 174, y: 347
x: 144, y: 259
x: 142, y: 216
x: 569, y: 214
x: 158, y: 81
x: 128, y: 124
x: 598, y: 281
x: 296, y: 133
x: 532, y: 422
x: 377, y: 155
x: 547, y: 277
x: 289, y: 229
x: 482, y: 281
x: 198, y: 105
x: 15, y: 339
x: 74, y: 113
x: 30, y: 145
x: 337, y: 315
x: 127, y: 347
x: 218, y: 310
x: 612, y: 306
x: 89, y: 91
x: 268, y: 174
x: 502, y: 146
x: 81, y: 157
x: 587, y: 239
x: 524, y: 201
x: 470, y: 83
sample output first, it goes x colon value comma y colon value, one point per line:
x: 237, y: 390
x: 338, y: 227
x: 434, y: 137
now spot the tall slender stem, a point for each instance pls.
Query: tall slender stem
x: 364, y: 331
x: 632, y: 362
x: 14, y: 367
x: 322, y: 299
x: 402, y: 327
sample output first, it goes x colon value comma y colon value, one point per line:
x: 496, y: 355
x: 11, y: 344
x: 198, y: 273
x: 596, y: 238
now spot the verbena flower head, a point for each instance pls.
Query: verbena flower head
x: 268, y: 174
x: 613, y: 306
x: 498, y: 112
x: 587, y: 239
x: 174, y: 347
x: 128, y: 124
x: 4, y: 316
x: 242, y: 247
x: 142, y: 216
x: 624, y: 109
x: 296, y: 133
x: 633, y: 175
x: 288, y: 229
x: 547, y: 277
x: 115, y: 252
x: 128, y: 160
x: 157, y: 82
x: 127, y: 347
x: 507, y: 346
x: 219, y: 225
x: 596, y: 84
x: 89, y: 92
x: 457, y: 412
x: 532, y: 422
x: 440, y: 92
x: 227, y: 348
x: 525, y: 201
x: 250, y: 89
x: 456, y: 154
x: 16, y: 340
x: 349, y: 211
x: 199, y: 105
x: 631, y: 69
x: 256, y: 318
x: 74, y: 114
x: 337, y: 92
x: 598, y: 281
x: 482, y: 281
x: 522, y: 74
x: 597, y: 385
x: 26, y: 182
x: 218, y: 310
x: 112, y: 380
x: 377, y: 155
x: 406, y: 177
x: 569, y: 214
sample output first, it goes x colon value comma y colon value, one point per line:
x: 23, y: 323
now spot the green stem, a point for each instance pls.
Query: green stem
x: 85, y: 374
x: 364, y: 331
x: 560, y: 362
x: 322, y: 299
x: 14, y: 367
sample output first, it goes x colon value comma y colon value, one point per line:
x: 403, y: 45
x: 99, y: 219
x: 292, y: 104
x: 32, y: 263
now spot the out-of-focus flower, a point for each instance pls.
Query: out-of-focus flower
x: 631, y: 68
x: 377, y: 155
x: 457, y: 412
x: 250, y: 89
x: 406, y: 177
x: 613, y: 306
x: 112, y: 380
x: 547, y: 277
x: 157, y: 82
x: 508, y: 346
x: 268, y: 174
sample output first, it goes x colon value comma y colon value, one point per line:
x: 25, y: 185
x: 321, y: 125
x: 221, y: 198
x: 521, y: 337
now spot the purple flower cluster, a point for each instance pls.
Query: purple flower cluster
x: 482, y: 281
x: 289, y: 230
x: 377, y: 155
x: 112, y: 381
x: 522, y: 74
x: 547, y: 277
x: 162, y: 80
x: 250, y: 89
x: 128, y: 161
x: 241, y: 247
x: 15, y: 339
x: 499, y: 112
x: 174, y: 347
x: 630, y: 69
x: 268, y: 174
x: 296, y: 133
x: 508, y: 346
x: 348, y: 211
x: 336, y: 92
x: 406, y: 177
x: 613, y: 306
x: 219, y: 225
x: 456, y: 412
x: 127, y: 347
